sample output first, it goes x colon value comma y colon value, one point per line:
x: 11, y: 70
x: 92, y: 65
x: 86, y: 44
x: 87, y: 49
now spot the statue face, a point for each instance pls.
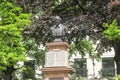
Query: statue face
x: 57, y: 18
x: 57, y: 23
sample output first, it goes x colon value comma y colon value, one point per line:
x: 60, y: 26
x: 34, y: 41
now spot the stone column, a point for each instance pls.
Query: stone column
x: 56, y: 62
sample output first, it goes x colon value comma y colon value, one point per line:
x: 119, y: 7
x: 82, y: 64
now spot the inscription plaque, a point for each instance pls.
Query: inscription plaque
x: 60, y: 78
x: 56, y: 58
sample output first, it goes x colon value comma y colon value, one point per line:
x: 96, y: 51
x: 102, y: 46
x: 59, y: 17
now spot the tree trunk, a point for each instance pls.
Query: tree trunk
x: 118, y: 66
x: 116, y: 47
x: 8, y: 73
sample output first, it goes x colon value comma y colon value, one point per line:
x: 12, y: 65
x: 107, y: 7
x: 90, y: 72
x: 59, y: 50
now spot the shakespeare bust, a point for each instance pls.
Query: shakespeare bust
x: 58, y: 30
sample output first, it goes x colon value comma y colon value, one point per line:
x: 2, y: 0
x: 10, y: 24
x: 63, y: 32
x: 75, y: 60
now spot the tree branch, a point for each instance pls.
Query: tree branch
x: 76, y: 1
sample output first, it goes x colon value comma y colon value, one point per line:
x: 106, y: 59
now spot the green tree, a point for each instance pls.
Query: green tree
x: 12, y: 23
x: 112, y: 33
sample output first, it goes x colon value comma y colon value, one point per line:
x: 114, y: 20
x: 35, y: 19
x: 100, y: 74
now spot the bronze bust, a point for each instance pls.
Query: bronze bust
x: 58, y: 30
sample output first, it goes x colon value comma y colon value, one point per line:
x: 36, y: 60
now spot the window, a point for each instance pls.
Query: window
x: 108, y: 67
x: 80, y: 67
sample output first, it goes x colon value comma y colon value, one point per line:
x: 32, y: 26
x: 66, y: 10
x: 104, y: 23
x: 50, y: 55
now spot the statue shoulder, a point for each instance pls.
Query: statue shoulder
x: 61, y: 25
x: 52, y: 27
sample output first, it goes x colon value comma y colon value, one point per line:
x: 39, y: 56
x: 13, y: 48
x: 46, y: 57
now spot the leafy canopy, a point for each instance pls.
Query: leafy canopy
x: 113, y: 31
x: 12, y: 23
x: 82, y: 47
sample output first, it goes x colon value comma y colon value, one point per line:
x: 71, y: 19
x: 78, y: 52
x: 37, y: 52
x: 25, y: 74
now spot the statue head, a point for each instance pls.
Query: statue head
x: 57, y: 19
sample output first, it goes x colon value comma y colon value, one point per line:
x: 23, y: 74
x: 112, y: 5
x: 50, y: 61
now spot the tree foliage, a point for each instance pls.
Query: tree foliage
x: 12, y: 23
x: 113, y: 30
x: 82, y: 47
x: 34, y: 51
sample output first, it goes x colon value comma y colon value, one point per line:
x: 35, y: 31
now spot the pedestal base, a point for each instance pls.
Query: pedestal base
x: 57, y: 73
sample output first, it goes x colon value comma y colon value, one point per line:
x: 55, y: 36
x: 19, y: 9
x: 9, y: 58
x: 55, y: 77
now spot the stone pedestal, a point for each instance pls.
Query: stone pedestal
x: 56, y: 62
x: 57, y: 73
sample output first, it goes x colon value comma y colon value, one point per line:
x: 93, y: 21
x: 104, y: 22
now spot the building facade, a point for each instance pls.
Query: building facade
x: 93, y: 68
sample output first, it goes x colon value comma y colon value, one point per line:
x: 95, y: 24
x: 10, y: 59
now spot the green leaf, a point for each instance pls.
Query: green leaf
x: 112, y: 32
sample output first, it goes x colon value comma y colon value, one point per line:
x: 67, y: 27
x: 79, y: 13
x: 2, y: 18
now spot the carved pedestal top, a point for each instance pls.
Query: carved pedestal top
x: 57, y: 45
